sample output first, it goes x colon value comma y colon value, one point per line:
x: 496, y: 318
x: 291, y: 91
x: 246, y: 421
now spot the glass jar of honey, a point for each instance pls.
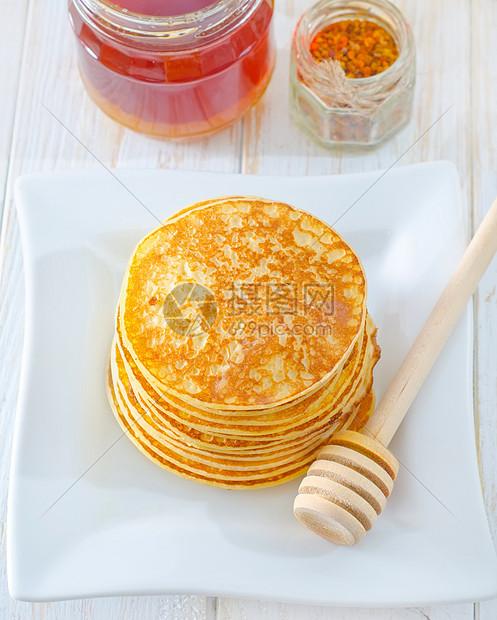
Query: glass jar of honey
x: 174, y: 68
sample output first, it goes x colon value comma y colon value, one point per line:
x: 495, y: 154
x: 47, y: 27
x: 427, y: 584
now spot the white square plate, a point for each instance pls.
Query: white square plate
x: 128, y: 527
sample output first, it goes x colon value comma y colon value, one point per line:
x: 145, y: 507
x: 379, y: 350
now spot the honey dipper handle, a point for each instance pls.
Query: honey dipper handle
x: 437, y: 329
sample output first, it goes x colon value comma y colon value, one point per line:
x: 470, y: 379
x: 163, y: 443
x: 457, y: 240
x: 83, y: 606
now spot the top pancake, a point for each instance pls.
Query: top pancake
x: 285, y: 293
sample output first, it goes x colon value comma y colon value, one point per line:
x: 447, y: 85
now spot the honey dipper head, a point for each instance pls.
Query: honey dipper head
x: 346, y: 488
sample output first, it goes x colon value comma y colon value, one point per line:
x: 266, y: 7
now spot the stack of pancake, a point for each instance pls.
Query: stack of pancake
x: 242, y: 342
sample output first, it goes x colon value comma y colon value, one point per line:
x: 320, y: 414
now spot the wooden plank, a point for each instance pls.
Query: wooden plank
x: 236, y: 609
x: 12, y: 36
x: 12, y: 27
x: 130, y: 608
x: 484, y: 144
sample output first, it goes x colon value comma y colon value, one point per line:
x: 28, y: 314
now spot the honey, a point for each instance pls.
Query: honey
x: 161, y: 71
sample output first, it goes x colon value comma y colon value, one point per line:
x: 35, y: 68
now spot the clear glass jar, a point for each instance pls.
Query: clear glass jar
x: 360, y: 124
x: 177, y: 75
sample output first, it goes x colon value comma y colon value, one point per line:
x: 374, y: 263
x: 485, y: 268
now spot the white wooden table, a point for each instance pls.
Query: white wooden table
x: 456, y: 52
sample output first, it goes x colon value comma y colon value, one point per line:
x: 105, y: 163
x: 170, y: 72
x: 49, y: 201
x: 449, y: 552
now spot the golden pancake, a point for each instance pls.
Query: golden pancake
x: 274, y: 443
x: 242, y: 343
x: 233, y: 430
x: 181, y: 462
x: 260, y: 258
x: 257, y: 422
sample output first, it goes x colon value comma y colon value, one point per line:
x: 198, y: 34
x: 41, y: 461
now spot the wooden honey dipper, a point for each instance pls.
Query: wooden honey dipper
x: 346, y: 488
